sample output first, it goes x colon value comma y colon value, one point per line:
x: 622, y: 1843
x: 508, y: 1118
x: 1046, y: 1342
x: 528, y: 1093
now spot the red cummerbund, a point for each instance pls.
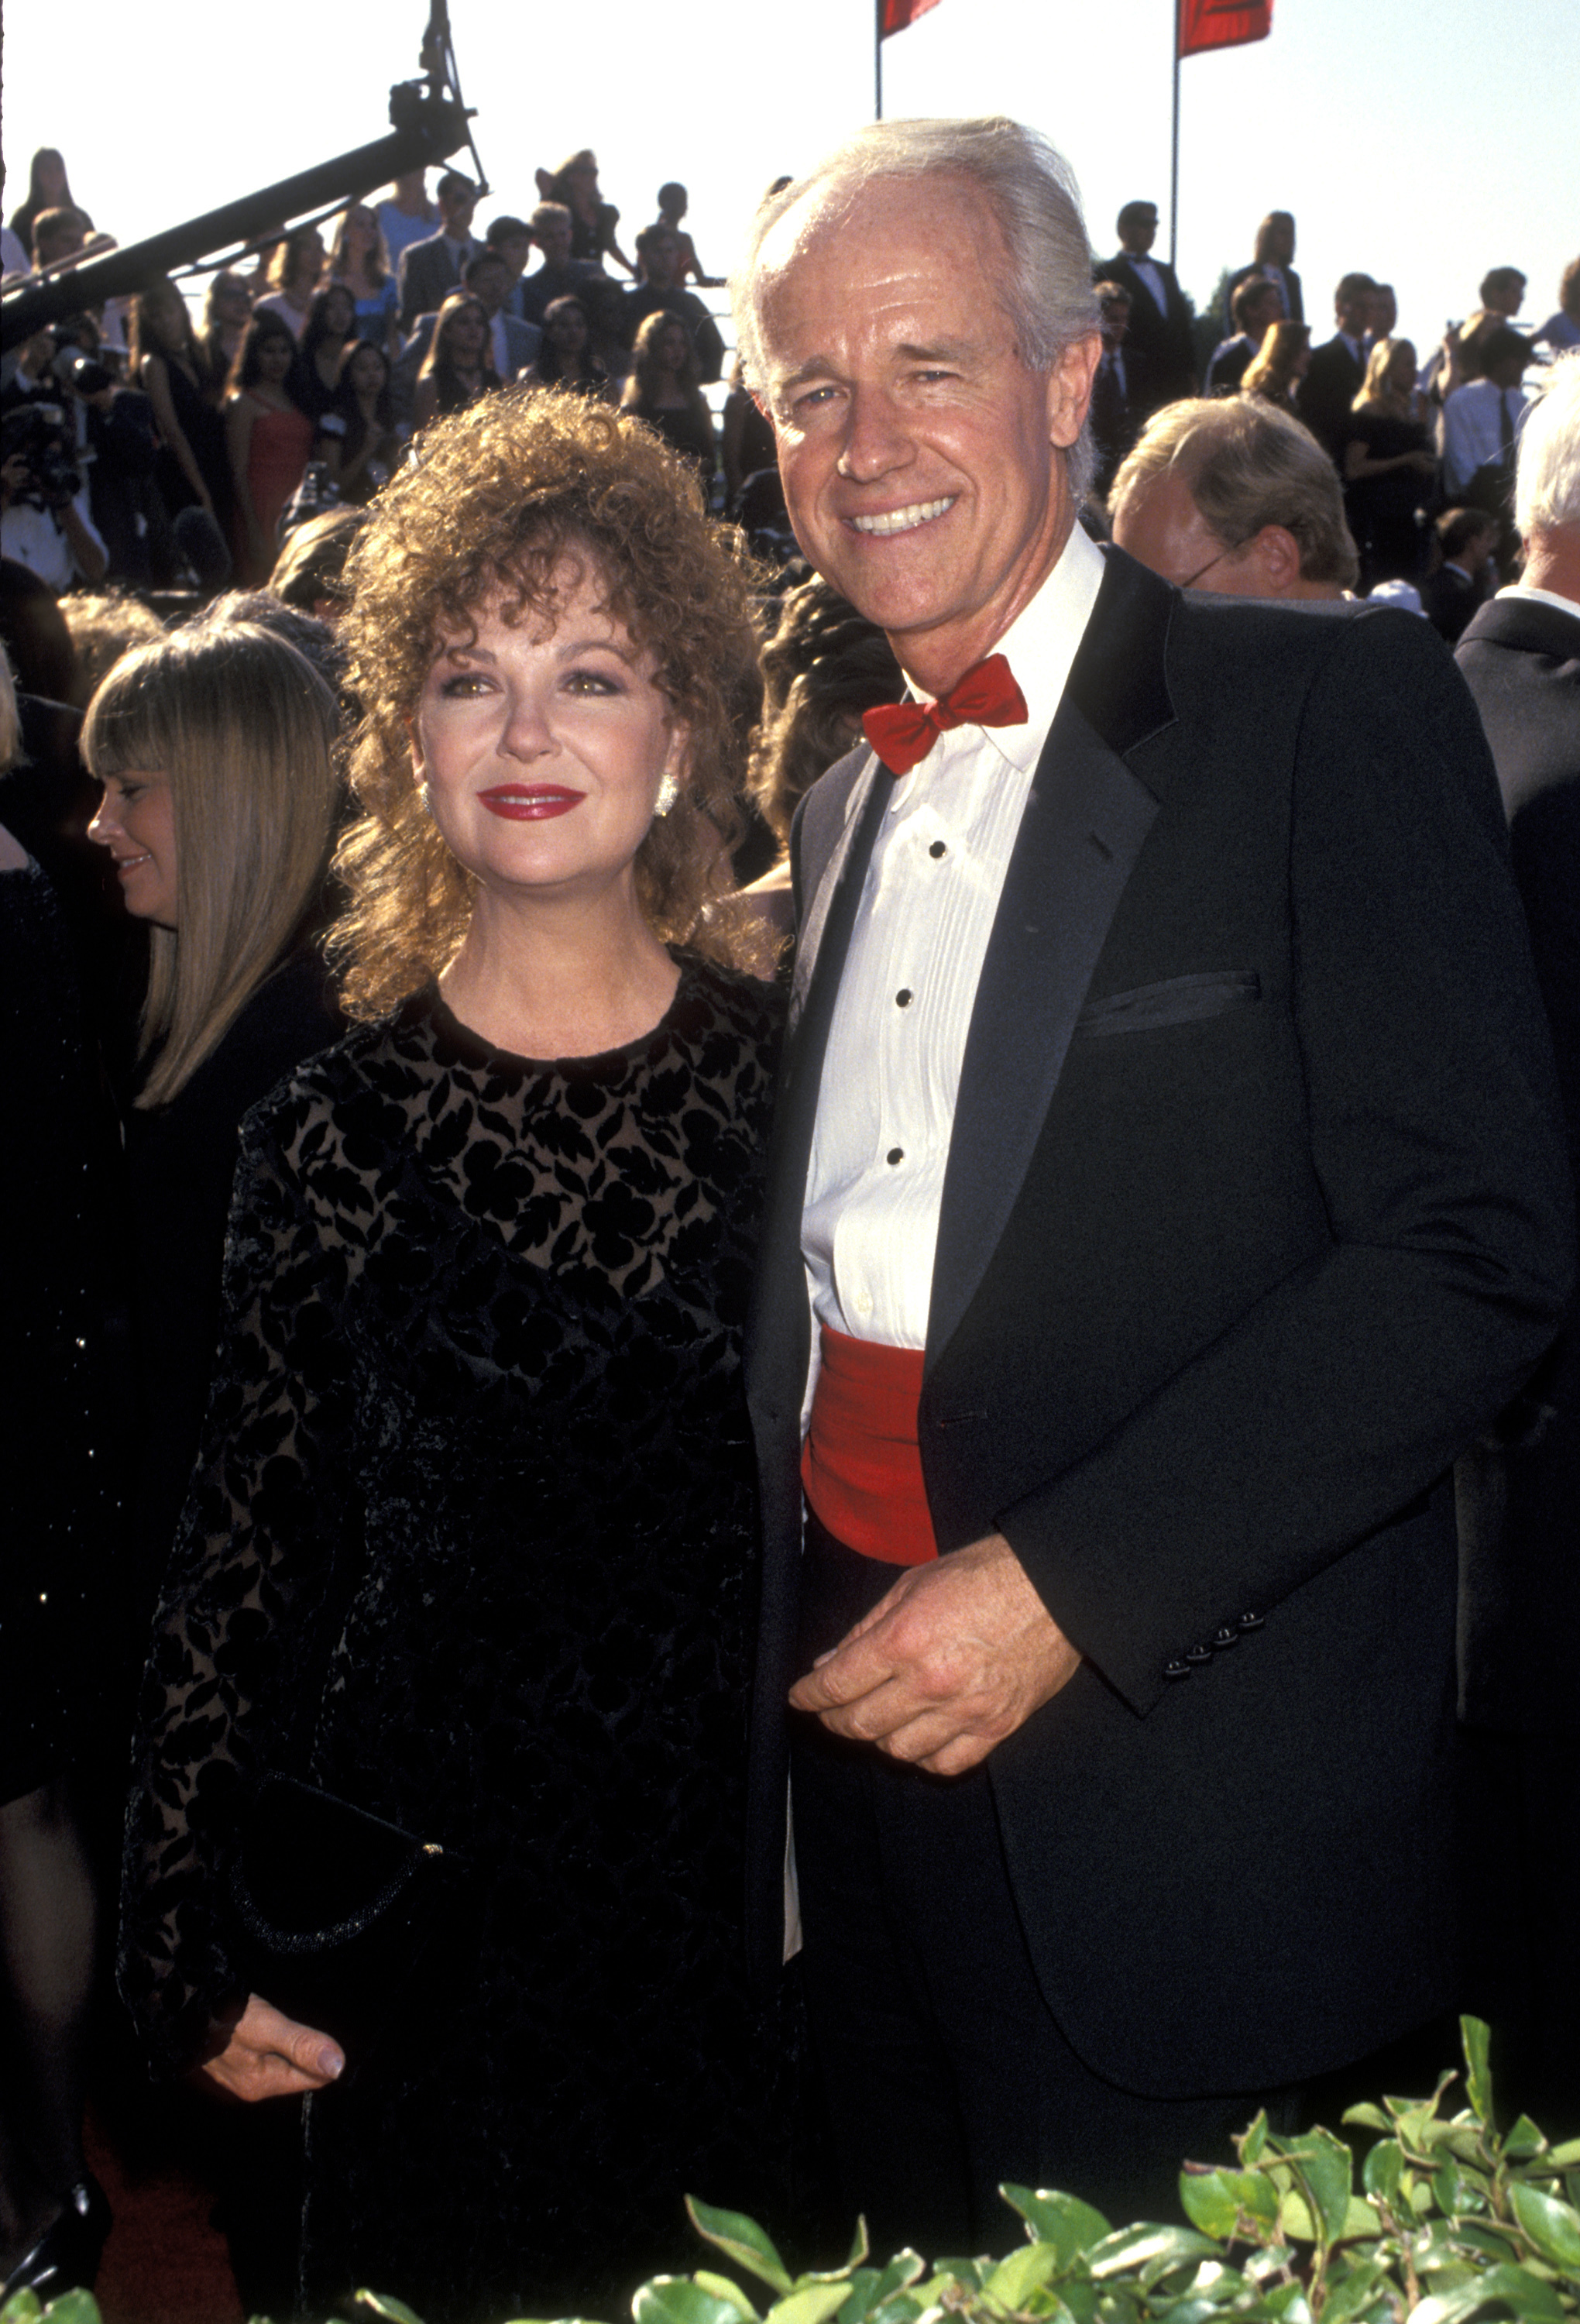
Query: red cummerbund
x: 861, y: 1465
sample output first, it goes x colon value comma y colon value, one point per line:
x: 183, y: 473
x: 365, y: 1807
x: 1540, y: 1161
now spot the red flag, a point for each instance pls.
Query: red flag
x: 894, y: 15
x: 1221, y: 23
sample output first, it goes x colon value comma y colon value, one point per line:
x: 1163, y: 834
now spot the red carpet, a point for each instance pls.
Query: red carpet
x: 165, y: 2263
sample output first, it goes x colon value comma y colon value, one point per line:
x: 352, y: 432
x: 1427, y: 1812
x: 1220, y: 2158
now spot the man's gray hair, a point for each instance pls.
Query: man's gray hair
x: 1547, y: 490
x: 1048, y: 292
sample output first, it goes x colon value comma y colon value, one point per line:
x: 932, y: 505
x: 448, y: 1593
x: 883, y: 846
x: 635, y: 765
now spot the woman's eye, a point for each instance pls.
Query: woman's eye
x: 590, y: 681
x: 461, y: 684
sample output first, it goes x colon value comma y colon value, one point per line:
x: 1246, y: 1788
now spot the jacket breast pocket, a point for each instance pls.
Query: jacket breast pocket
x: 1177, y: 1000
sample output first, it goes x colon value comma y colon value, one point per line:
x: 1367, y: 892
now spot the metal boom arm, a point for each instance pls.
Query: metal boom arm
x: 426, y: 129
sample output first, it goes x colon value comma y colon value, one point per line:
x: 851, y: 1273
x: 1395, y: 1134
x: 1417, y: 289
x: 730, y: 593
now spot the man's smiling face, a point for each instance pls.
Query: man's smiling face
x: 921, y: 460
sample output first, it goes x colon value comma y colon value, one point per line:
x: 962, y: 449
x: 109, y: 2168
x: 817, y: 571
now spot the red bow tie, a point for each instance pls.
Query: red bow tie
x: 903, y: 733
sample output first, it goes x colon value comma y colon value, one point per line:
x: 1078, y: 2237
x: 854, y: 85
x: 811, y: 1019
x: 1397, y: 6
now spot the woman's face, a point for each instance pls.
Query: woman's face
x: 670, y: 348
x: 365, y: 371
x: 540, y: 750
x: 136, y: 822
x: 167, y: 319
x: 274, y: 352
x: 567, y: 331
x: 362, y: 229
x: 339, y: 313
x: 1401, y: 368
x: 307, y: 256
x: 231, y: 302
x: 464, y: 338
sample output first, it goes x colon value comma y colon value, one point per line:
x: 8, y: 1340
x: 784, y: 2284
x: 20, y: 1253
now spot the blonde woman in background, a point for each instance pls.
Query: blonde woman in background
x: 1279, y: 365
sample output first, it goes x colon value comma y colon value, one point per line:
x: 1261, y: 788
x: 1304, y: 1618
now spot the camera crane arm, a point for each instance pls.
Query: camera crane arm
x: 426, y: 128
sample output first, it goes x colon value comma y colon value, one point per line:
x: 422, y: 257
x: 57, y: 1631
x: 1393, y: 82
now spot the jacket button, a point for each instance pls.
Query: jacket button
x: 1249, y: 1622
x: 1176, y: 1667
x: 1226, y: 1637
x: 1198, y: 1653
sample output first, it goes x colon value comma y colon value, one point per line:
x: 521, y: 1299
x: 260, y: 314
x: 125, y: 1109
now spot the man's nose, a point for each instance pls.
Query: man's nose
x: 877, y: 441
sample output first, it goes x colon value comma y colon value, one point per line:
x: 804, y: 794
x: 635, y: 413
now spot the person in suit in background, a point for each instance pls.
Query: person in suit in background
x: 1168, y: 1156
x: 1160, y: 313
x: 1337, y: 368
x: 1256, y: 307
x: 1467, y: 539
x: 1520, y: 658
x: 1116, y: 389
x: 514, y: 343
x: 1275, y: 248
x: 430, y: 270
x: 1381, y: 315
x: 1232, y: 497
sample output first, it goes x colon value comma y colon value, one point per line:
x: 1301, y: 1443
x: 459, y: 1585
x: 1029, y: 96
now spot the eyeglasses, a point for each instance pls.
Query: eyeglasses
x: 1200, y: 569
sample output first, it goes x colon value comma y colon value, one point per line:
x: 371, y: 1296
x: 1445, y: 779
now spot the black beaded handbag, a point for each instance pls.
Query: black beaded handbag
x: 330, y: 1908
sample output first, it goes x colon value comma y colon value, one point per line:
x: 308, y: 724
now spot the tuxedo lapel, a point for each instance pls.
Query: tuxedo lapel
x: 1085, y: 820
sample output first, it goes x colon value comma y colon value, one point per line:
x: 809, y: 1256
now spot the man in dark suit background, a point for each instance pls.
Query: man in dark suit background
x: 1117, y: 392
x: 1521, y: 657
x: 1324, y: 397
x: 430, y: 270
x: 1274, y: 250
x: 1160, y: 312
x: 1256, y: 307
x: 1167, y: 1185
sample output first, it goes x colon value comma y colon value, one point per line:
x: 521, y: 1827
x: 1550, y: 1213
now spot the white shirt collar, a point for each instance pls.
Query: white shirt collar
x: 1041, y: 643
x: 1542, y: 598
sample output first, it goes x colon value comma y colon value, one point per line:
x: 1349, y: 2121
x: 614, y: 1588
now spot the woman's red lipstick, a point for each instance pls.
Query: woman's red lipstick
x: 530, y: 802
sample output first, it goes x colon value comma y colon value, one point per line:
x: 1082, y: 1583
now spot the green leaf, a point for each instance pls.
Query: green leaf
x: 1382, y: 2168
x: 1136, y: 2247
x: 858, y: 2295
x: 906, y: 2266
x: 367, y: 2303
x: 1478, y: 2073
x: 741, y: 2239
x: 677, y: 2300
x: 899, y: 2308
x: 79, y: 2307
x: 1369, y: 2117
x: 1253, y: 2141
x: 1526, y: 2293
x: 1446, y: 2188
x: 810, y: 2304
x: 1563, y: 2158
x: 1070, y: 2226
x: 723, y: 2288
x: 1026, y: 2271
x: 1349, y: 2295
x: 1214, y: 2200
x: 21, y: 2308
x: 1326, y: 2162
x: 1524, y: 2140
x: 1552, y: 2226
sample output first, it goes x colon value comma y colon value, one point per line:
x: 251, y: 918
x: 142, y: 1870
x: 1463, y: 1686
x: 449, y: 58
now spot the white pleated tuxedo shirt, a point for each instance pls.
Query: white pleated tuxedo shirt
x: 887, y: 1100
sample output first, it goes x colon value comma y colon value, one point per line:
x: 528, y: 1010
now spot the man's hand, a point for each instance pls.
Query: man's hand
x: 958, y: 1656
x: 270, y: 2056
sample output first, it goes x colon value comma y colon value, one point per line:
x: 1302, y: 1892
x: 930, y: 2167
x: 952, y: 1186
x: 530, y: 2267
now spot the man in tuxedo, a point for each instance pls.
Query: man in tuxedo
x: 1520, y: 658
x: 430, y: 270
x: 1337, y: 368
x: 1450, y: 596
x: 1167, y: 1184
x: 1275, y: 249
x: 1160, y: 313
x: 1116, y: 387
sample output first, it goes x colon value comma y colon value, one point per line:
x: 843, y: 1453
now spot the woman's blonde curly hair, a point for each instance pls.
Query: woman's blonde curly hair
x: 498, y: 493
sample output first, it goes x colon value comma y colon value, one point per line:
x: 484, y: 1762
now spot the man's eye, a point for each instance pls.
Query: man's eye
x: 812, y: 399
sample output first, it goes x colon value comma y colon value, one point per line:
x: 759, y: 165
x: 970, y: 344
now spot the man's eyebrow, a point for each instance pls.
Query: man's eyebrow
x: 908, y: 351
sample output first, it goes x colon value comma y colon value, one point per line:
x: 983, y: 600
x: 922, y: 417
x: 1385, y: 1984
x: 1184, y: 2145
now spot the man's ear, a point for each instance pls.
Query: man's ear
x: 1069, y: 388
x: 1278, y: 553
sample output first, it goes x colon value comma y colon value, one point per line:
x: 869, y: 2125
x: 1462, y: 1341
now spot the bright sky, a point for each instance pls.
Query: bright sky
x: 1422, y: 142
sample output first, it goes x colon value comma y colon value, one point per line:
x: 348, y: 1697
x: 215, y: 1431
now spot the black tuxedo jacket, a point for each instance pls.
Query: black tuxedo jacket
x: 1324, y: 397
x: 1163, y: 342
x: 1522, y: 661
x: 1255, y: 1210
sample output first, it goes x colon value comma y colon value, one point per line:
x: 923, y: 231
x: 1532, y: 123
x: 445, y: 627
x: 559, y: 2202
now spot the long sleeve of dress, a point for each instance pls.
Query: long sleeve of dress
x: 237, y: 1642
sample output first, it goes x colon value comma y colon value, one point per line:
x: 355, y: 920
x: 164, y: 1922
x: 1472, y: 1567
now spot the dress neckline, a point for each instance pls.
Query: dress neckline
x: 455, y: 1042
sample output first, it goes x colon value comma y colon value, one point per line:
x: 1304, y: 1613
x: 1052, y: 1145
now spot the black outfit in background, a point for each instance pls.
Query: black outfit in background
x: 1382, y: 509
x: 180, y: 1160
x: 1117, y: 409
x: 1231, y: 360
x: 1293, y: 299
x: 689, y: 429
x: 1163, y: 341
x: 481, y: 1388
x: 203, y: 430
x: 1521, y: 1703
x: 1450, y: 600
x: 1255, y: 1211
x: 57, y: 1171
x: 1324, y: 397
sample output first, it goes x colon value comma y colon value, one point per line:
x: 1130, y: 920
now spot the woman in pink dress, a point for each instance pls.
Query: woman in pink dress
x: 270, y: 437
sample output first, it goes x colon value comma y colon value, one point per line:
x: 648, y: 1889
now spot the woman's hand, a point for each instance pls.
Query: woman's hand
x: 271, y: 2056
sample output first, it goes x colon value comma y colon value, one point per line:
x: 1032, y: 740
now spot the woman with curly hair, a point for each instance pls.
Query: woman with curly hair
x: 470, y: 1546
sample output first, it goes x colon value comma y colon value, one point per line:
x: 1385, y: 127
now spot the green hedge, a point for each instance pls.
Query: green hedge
x: 1452, y: 2219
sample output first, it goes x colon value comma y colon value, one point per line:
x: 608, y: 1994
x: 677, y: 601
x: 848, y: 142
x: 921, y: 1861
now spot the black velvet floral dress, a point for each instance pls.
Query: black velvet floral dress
x: 480, y: 1393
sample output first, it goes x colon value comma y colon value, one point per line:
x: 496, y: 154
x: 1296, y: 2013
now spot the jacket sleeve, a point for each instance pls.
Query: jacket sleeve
x: 1350, y: 1387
